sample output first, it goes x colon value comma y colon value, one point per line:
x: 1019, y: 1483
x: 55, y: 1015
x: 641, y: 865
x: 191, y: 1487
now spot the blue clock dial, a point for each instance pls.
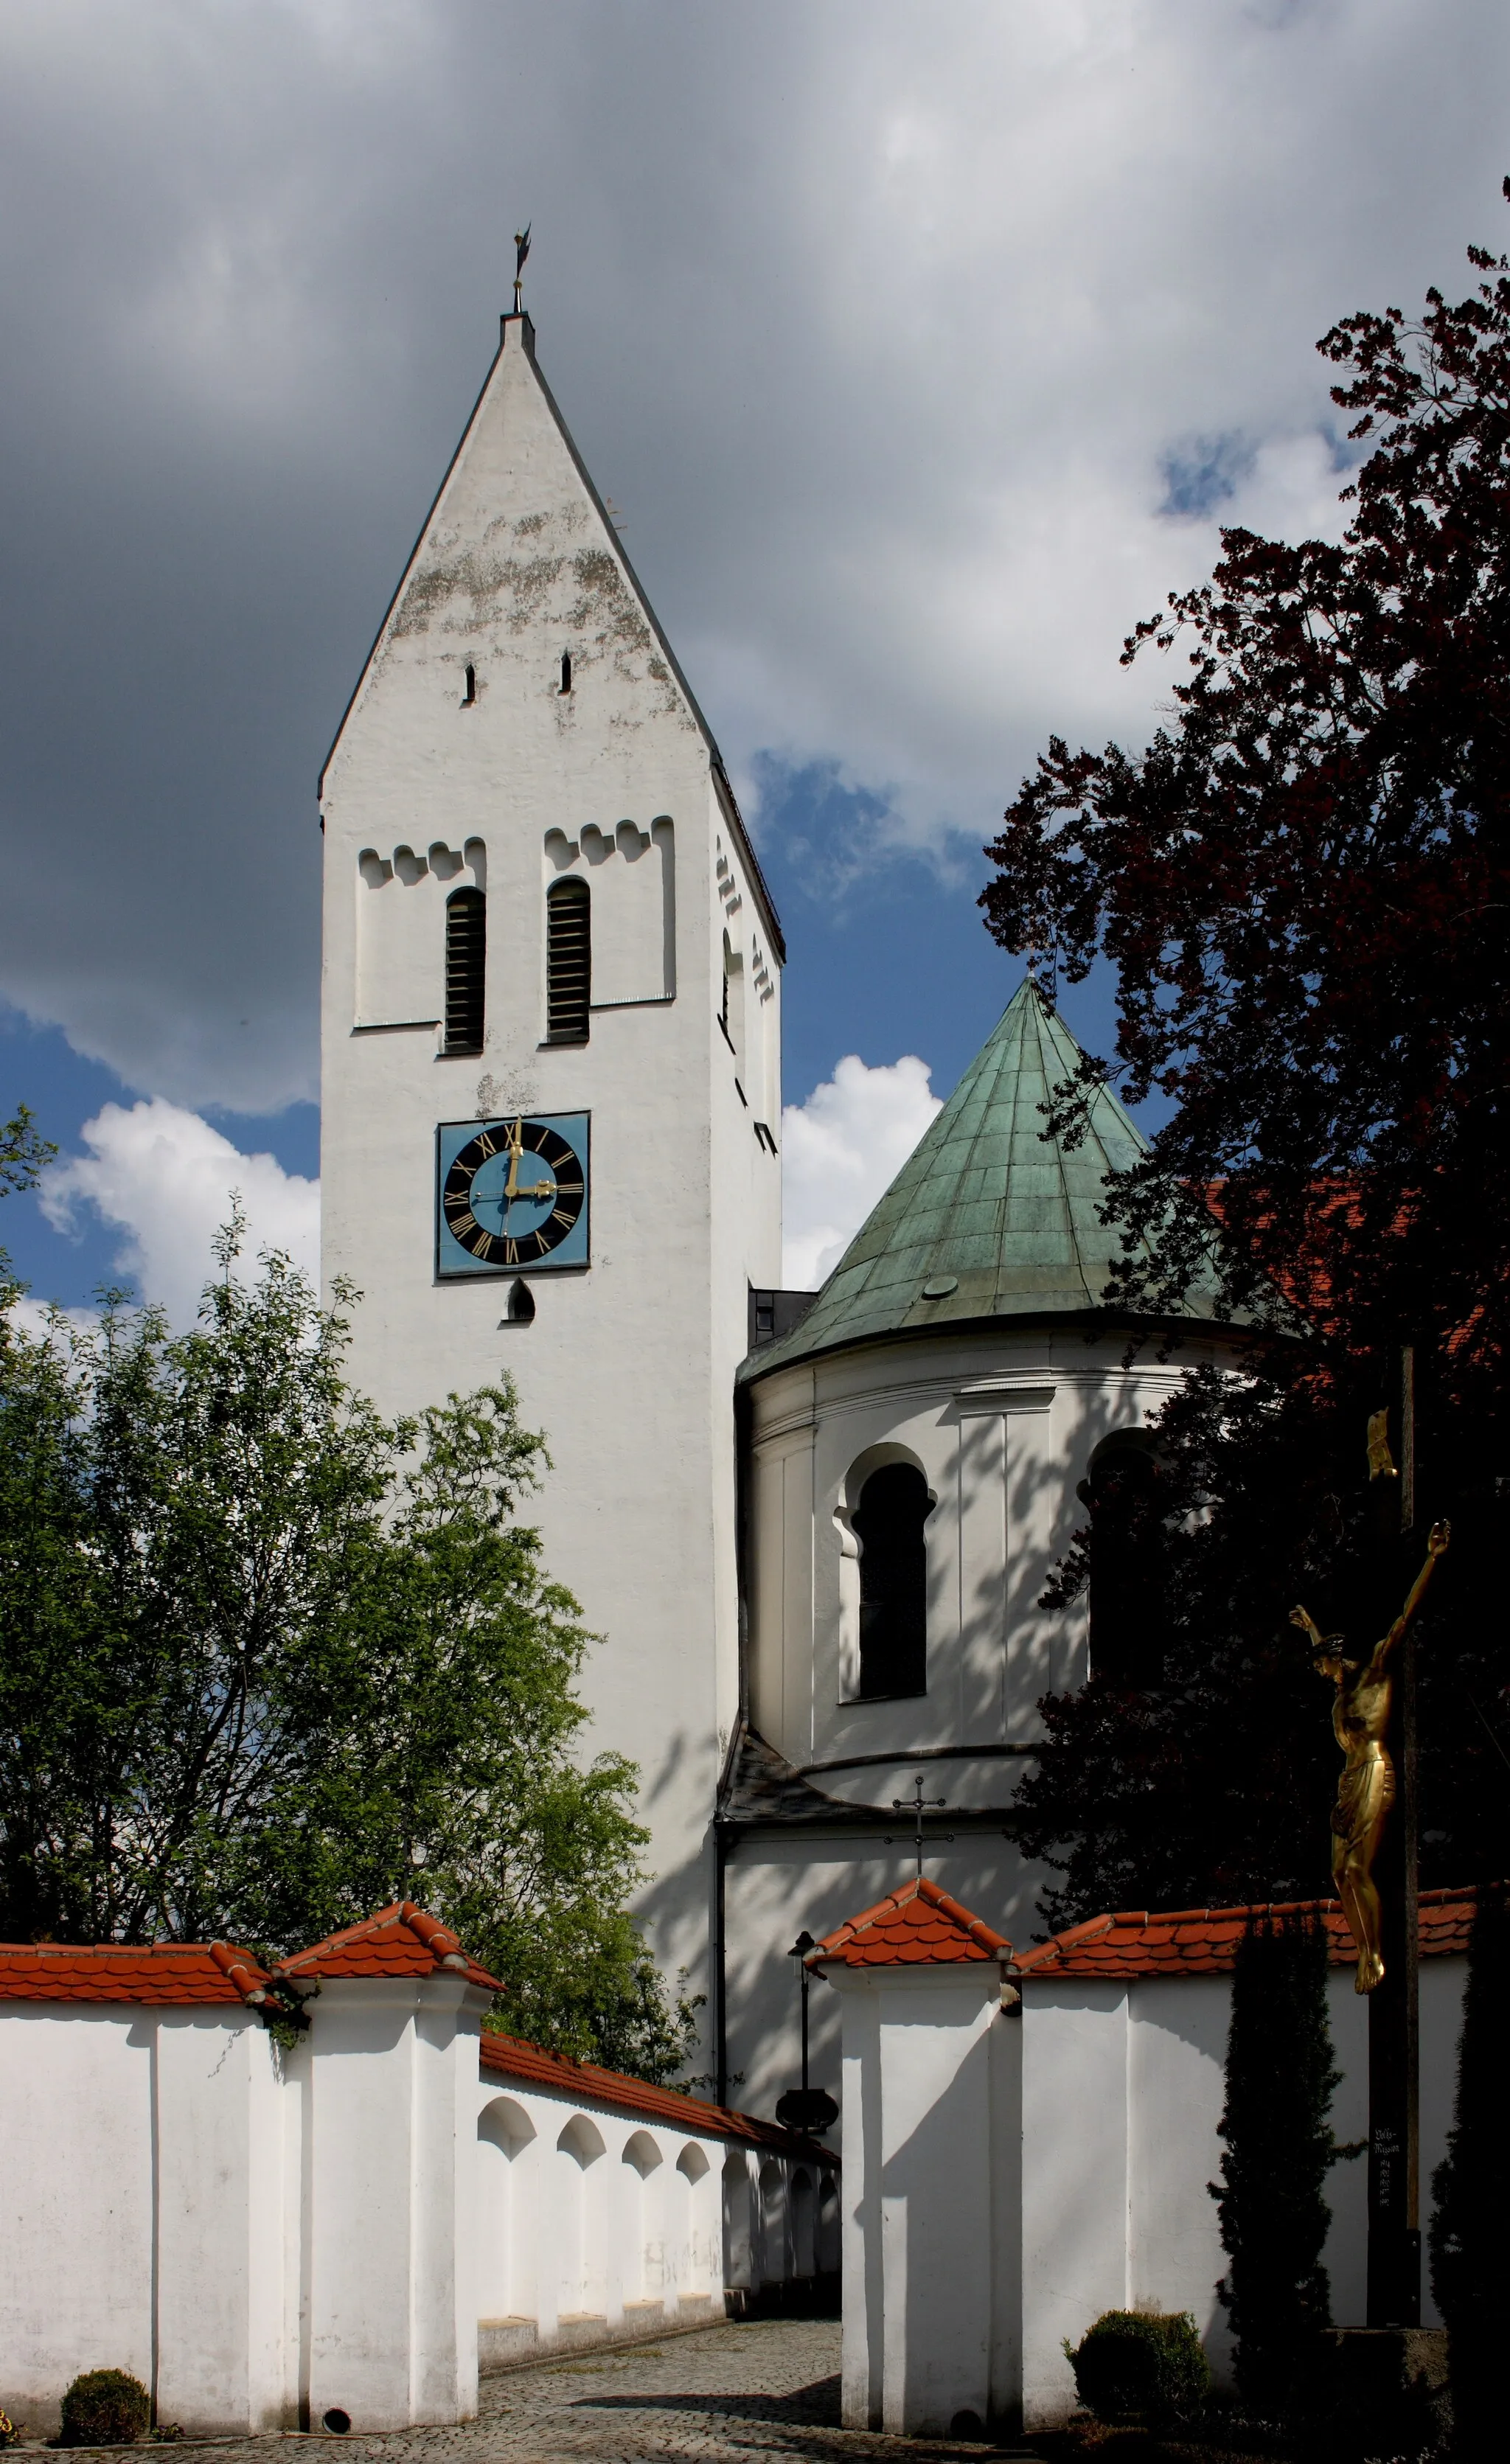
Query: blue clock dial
x: 512, y: 1194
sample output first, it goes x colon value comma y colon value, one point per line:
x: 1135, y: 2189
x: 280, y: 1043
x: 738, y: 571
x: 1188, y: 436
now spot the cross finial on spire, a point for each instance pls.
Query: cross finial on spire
x: 522, y: 250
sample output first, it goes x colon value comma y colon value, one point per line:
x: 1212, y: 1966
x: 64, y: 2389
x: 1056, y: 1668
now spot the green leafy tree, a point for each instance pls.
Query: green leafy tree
x: 1471, y: 2187
x: 23, y: 1151
x: 1280, y: 2148
x: 267, y: 1661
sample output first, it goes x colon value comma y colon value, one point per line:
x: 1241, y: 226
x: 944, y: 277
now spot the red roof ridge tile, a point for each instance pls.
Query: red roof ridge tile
x: 401, y: 1940
x: 112, y: 1971
x: 917, y: 1925
x: 1195, y: 1942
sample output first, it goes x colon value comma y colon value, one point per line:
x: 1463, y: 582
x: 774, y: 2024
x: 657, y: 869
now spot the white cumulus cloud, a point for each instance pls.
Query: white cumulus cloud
x: 165, y: 1178
x: 841, y: 1151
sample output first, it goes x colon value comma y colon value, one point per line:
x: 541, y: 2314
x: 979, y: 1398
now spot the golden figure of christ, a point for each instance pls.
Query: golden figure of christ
x: 1365, y: 1691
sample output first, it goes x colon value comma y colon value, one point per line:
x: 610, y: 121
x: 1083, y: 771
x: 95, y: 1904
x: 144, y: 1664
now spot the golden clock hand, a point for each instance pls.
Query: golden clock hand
x: 516, y: 1150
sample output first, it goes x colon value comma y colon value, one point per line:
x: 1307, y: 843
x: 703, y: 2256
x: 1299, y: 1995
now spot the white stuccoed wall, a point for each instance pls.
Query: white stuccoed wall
x: 629, y: 1366
x: 595, y: 2222
x: 262, y: 2237
x: 147, y: 2227
x: 1003, y: 1424
x: 1091, y: 2111
x: 932, y: 2157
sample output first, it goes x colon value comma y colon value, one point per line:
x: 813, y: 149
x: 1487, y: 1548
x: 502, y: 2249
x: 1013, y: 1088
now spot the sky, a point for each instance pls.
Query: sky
x: 921, y: 347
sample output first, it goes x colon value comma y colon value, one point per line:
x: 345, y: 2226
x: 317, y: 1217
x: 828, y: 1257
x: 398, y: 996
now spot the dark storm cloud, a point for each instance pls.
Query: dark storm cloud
x: 887, y: 325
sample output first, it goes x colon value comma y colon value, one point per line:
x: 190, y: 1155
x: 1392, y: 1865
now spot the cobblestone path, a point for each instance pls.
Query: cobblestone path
x: 765, y: 2388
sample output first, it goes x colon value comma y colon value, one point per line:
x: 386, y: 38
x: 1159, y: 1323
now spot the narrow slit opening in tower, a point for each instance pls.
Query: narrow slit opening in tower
x: 521, y: 1303
x: 566, y: 671
x: 471, y: 694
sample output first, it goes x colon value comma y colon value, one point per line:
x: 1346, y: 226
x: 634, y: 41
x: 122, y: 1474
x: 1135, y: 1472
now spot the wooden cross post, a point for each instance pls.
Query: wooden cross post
x: 1394, y: 2237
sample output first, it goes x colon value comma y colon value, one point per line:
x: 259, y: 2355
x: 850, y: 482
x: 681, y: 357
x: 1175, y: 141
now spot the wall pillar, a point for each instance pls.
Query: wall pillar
x: 930, y: 2198
x: 392, y: 2290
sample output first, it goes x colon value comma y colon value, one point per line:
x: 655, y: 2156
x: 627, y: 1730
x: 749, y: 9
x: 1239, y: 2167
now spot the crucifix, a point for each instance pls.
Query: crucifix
x: 917, y: 1805
x: 1374, y: 1863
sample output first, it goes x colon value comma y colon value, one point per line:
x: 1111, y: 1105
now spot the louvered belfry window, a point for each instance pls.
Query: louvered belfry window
x: 568, y: 961
x: 466, y: 969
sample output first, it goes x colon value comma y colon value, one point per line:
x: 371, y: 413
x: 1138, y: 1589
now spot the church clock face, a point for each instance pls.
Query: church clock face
x: 512, y: 1194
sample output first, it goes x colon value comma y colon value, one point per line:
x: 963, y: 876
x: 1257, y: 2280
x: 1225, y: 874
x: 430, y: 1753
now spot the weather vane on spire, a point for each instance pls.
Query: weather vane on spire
x: 522, y: 250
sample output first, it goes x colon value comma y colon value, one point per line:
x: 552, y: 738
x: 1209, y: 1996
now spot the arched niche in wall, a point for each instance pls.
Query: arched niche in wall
x: 1124, y: 1489
x: 883, y: 1523
x: 804, y: 2223
x: 643, y: 2252
x: 773, y: 2224
x: 739, y: 2221
x: 578, y: 2205
x: 829, y: 2228
x: 694, y: 2238
x: 505, y: 2133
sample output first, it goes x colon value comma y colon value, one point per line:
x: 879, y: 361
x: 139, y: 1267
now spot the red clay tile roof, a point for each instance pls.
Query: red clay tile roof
x: 919, y: 1925
x: 400, y: 1941
x: 160, y: 1972
x: 1203, y: 1941
x: 512, y: 2057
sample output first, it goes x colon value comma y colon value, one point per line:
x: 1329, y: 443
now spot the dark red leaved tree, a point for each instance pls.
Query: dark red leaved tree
x: 1304, y: 883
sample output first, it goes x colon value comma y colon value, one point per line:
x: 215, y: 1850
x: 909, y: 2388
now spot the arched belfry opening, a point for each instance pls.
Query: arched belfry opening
x: 466, y: 969
x: 889, y: 1523
x: 568, y: 961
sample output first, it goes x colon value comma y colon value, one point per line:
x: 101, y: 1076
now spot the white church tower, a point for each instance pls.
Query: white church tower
x: 551, y: 1075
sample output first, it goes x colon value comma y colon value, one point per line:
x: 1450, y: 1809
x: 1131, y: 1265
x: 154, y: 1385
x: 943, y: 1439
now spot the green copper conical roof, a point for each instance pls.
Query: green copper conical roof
x: 988, y: 1218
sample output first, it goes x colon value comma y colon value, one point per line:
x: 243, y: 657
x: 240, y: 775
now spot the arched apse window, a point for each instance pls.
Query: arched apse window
x: 466, y: 969
x: 888, y: 1523
x: 568, y: 961
x: 1124, y: 1490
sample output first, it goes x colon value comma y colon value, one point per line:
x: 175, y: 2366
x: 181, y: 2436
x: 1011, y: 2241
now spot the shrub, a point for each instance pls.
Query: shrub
x: 1280, y: 2149
x: 1141, y: 2366
x: 105, y: 2408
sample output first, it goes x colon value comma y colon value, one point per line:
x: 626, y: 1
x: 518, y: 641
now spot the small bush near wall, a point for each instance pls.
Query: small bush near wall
x: 1141, y: 2366
x: 104, y: 2409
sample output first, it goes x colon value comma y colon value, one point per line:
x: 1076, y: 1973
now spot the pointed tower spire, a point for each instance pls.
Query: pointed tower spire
x: 988, y: 1218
